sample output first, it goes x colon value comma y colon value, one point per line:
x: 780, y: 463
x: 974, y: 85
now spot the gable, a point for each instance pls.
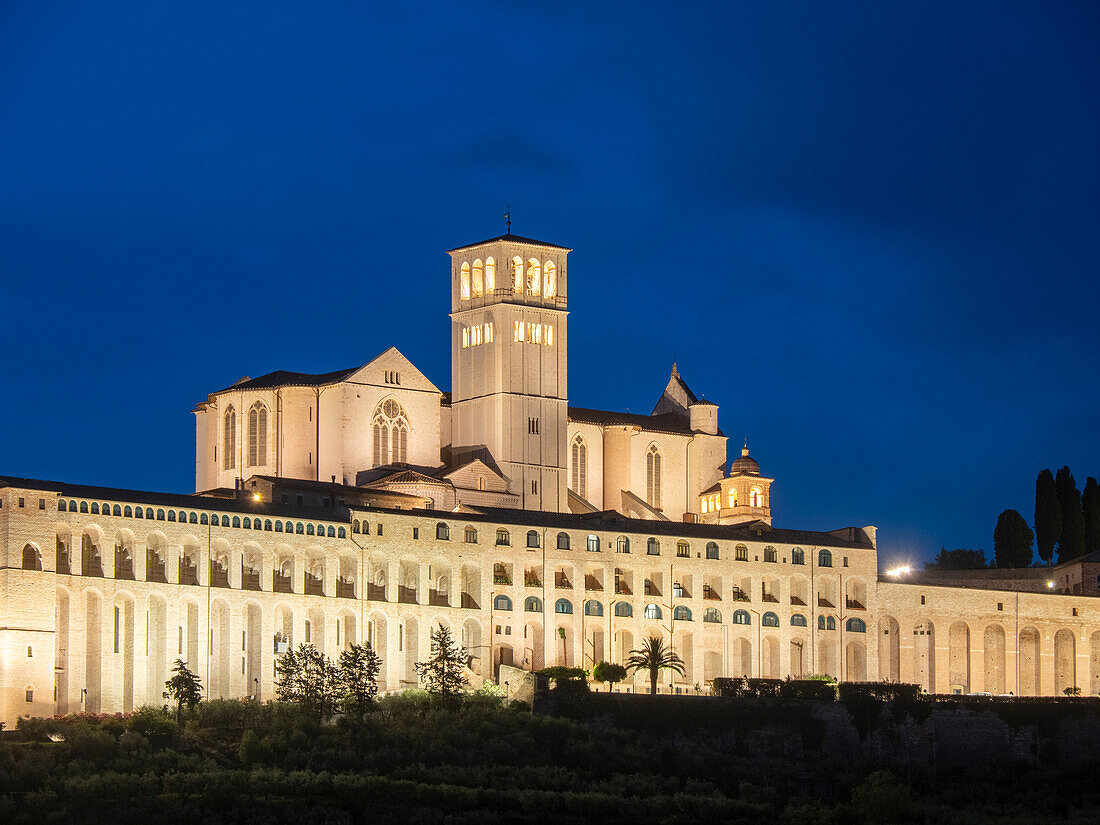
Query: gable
x: 468, y: 474
x: 392, y: 370
x: 676, y: 398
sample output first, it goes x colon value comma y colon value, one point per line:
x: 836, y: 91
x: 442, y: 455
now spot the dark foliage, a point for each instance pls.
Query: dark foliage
x: 1012, y: 539
x: 957, y: 560
x: 1090, y: 509
x: 1048, y: 516
x: 1071, y: 543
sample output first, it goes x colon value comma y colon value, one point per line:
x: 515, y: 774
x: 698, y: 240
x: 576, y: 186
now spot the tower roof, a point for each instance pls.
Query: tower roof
x: 510, y: 238
x: 745, y: 465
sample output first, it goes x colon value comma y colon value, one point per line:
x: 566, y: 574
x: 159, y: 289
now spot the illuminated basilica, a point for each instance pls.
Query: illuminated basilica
x: 367, y: 504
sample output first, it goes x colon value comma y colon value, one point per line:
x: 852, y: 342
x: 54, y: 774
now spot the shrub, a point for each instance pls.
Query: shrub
x: 882, y: 691
x: 808, y: 689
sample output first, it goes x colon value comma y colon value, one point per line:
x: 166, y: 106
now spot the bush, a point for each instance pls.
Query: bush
x: 882, y: 691
x: 808, y: 689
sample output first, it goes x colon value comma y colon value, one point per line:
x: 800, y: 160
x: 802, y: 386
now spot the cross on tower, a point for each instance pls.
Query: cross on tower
x: 508, y: 218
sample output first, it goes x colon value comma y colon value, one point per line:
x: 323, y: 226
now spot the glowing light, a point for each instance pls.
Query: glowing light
x: 904, y: 570
x: 1050, y: 584
x: 255, y: 496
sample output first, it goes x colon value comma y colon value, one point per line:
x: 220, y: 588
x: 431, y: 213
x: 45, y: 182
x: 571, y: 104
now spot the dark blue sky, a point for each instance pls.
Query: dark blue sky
x: 867, y: 230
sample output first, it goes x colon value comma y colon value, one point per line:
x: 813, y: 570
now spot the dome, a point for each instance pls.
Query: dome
x: 745, y: 465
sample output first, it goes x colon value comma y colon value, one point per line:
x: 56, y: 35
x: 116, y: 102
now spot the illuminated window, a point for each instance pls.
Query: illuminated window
x: 534, y: 277
x: 652, y: 611
x: 550, y: 280
x: 683, y: 550
x: 549, y: 335
x: 517, y: 331
x: 391, y: 433
x: 490, y: 275
x: 517, y: 275
x: 653, y: 477
x: 479, y: 278
x: 465, y: 337
x: 756, y: 497
x: 579, y: 471
x: 488, y: 332
x: 742, y: 552
x: 732, y: 497
x: 464, y: 282
x: 622, y: 544
x: 257, y: 435
x: 229, y: 439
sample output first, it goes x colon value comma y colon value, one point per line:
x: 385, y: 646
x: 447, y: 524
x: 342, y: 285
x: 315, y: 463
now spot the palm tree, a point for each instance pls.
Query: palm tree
x: 654, y: 657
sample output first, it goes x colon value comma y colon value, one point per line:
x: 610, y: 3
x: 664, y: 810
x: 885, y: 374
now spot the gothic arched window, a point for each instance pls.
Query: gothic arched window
x: 391, y: 433
x: 490, y: 275
x: 229, y: 439
x: 257, y: 435
x: 464, y: 282
x: 653, y: 477
x: 579, y: 477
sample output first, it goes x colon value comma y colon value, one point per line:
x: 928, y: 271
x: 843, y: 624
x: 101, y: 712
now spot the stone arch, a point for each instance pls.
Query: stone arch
x: 855, y: 661
x: 221, y: 651
x: 924, y: 655
x: 253, y: 653
x: 798, y: 658
x: 889, y: 650
x: 315, y: 628
x: 741, y: 657
x: 471, y: 639
x: 993, y: 656
x: 156, y: 663
x: 958, y: 641
x: 828, y: 657
x: 1030, y: 674
x: 379, y: 643
x: 533, y: 646
x: 93, y: 652
x: 409, y: 645
x: 62, y: 609
x: 1065, y: 661
x: 770, y: 657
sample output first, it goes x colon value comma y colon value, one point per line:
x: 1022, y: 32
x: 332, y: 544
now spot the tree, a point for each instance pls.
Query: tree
x: 443, y: 671
x: 654, y: 656
x: 607, y: 672
x: 1012, y: 540
x: 1071, y: 544
x: 959, y: 559
x: 1090, y: 509
x: 1048, y: 516
x: 357, y: 679
x: 185, y: 688
x: 308, y: 678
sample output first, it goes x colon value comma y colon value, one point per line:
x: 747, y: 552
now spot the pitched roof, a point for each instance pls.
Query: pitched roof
x: 663, y: 423
x: 282, y: 378
x: 510, y: 238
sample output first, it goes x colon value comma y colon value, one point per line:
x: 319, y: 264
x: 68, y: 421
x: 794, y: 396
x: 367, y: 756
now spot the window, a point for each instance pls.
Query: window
x: 517, y: 331
x: 826, y: 623
x: 502, y: 603
x: 824, y: 559
x: 548, y: 338
x: 770, y: 555
x: 549, y: 280
x: 712, y: 550
x: 32, y: 559
x: 563, y: 606
x: 534, y: 277
x: 683, y: 550
x: 592, y: 543
x: 257, y: 435
x: 517, y: 276
x: 682, y: 613
x: 469, y: 535
x: 742, y: 617
x: 593, y: 608
x: 652, y: 611
x: 712, y: 615
x: 578, y: 478
x: 391, y: 433
x: 465, y: 337
x: 533, y: 425
x: 653, y: 477
x: 798, y: 556
x: 532, y: 604
x: 623, y: 610
x: 490, y: 275
x: 622, y: 544
x: 229, y: 439
x: 653, y: 547
x: 464, y: 282
x: 504, y: 538
x: 854, y: 625
x: 479, y: 278
x: 741, y: 552
x: 732, y: 497
x: 532, y: 538
x: 769, y: 619
x: 798, y: 620
x: 29, y: 694
x: 442, y: 532
x: 563, y: 541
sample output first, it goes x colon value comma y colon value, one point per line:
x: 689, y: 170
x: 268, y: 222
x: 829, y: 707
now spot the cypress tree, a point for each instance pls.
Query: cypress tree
x: 1048, y: 516
x: 1012, y: 540
x: 1071, y: 543
x: 1090, y: 506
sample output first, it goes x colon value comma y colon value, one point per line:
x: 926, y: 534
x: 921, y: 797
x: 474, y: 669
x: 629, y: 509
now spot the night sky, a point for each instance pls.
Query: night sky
x: 869, y: 231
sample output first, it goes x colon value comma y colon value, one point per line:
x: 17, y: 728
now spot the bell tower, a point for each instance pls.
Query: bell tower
x: 509, y: 387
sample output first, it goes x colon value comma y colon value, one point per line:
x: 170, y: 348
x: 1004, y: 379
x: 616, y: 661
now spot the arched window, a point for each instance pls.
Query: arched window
x: 563, y: 606
x: 770, y: 554
x: 504, y: 538
x: 826, y: 623
x: 479, y: 278
x: 683, y: 550
x: 623, y: 610
x: 442, y: 532
x: 712, y: 550
x: 592, y: 543
x: 532, y: 604
x: 622, y: 544
x: 682, y: 613
x: 854, y: 625
x: 731, y: 498
x: 712, y: 615
x: 229, y: 439
x: 32, y: 559
x: 741, y: 617
x: 257, y: 435
x: 756, y: 497
x: 160, y: 517
x: 128, y: 511
x: 502, y: 602
x: 652, y: 611
x: 61, y: 505
x: 798, y: 556
x: 532, y: 538
x: 578, y: 478
x: 464, y: 282
x: 652, y: 547
x: 116, y: 511
x: 824, y: 558
x: 391, y: 433
x: 798, y: 620
x: 309, y: 529
x: 534, y: 277
x: 340, y: 532
x: 593, y: 608
x: 769, y: 619
x: 741, y: 552
x: 490, y: 275
x: 563, y: 541
x: 469, y: 535
x: 267, y: 524
x: 653, y: 477
x: 549, y: 280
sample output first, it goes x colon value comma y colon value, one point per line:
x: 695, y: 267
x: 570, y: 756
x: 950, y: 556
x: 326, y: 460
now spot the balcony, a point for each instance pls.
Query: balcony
x: 680, y: 592
x: 345, y: 589
x: 62, y: 564
x: 437, y: 598
x: 652, y: 589
x: 250, y: 579
x: 768, y: 597
x: 561, y: 581
x: 406, y: 595
x: 376, y: 592
x: 124, y: 567
x: 798, y: 600
x: 823, y: 602
x: 853, y: 604
x: 740, y: 595
x: 155, y: 569
x: 502, y: 578
x: 532, y: 581
x: 592, y: 583
x: 469, y: 603
x: 281, y: 583
x: 623, y: 589
x: 315, y: 585
x: 219, y: 576
x: 189, y: 572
